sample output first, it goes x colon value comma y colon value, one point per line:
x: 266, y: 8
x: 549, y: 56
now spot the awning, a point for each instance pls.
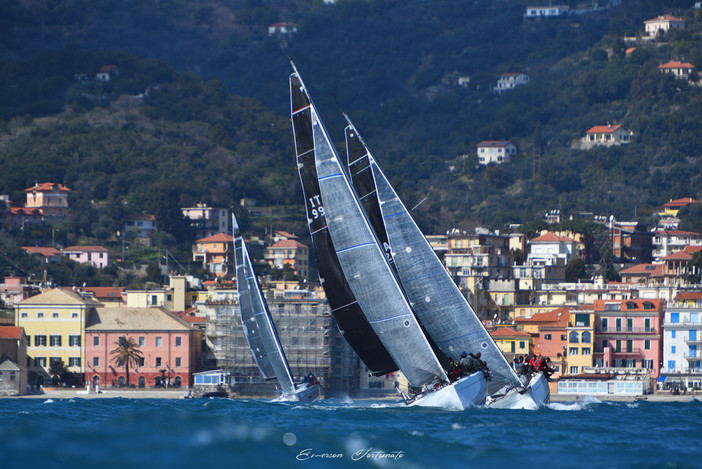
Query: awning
x: 661, y: 379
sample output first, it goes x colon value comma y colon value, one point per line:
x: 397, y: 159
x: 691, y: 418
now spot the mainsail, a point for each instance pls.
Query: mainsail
x: 438, y: 303
x: 258, y: 326
x: 366, y: 269
x: 346, y: 311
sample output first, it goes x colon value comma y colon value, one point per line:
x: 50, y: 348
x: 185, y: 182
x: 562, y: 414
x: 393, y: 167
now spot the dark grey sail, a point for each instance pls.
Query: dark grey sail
x: 258, y: 326
x: 367, y: 271
x: 346, y: 311
x: 435, y: 298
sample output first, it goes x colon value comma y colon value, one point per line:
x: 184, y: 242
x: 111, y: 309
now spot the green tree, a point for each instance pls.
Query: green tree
x: 126, y: 354
x: 607, y: 269
x: 57, y: 370
x: 695, y: 268
x: 575, y: 270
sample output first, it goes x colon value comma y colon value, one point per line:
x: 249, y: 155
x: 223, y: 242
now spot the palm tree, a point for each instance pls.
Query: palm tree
x: 126, y: 353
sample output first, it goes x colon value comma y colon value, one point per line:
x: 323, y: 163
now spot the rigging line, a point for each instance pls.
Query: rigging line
x: 420, y: 203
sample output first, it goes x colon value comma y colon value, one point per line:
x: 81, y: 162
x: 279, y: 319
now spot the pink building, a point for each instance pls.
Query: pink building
x: 171, y: 348
x: 97, y: 256
x: 628, y: 334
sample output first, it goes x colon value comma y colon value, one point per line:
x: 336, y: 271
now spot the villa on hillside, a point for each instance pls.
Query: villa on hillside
x: 509, y: 81
x: 496, y: 151
x: 546, y: 11
x: 680, y: 70
x: 97, y: 256
x: 662, y: 24
x: 50, y: 198
x: 606, y: 135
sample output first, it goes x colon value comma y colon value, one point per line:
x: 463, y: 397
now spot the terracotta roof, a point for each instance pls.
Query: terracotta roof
x: 675, y: 232
x: 676, y: 64
x: 85, y: 249
x: 552, y: 238
x: 285, y: 234
x: 218, y: 238
x: 25, y: 211
x: 494, y: 143
x: 10, y: 332
x: 107, y: 68
x: 689, y: 295
x: 678, y: 256
x: 105, y: 292
x: 630, y: 50
x: 44, y: 251
x: 508, y: 332
x: 287, y: 243
x: 557, y: 315
x: 603, y: 129
x: 639, y: 304
x: 649, y: 269
x: 663, y: 18
x: 682, y: 202
x: 134, y: 319
x: 47, y: 187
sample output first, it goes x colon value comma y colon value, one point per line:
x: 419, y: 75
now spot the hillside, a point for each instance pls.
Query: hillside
x: 391, y: 67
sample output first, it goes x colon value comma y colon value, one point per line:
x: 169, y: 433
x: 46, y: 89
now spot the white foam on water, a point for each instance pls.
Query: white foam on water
x: 49, y: 401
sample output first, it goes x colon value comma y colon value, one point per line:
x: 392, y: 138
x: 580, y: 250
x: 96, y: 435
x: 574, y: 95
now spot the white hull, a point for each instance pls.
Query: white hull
x: 303, y: 393
x: 537, y: 395
x: 462, y: 394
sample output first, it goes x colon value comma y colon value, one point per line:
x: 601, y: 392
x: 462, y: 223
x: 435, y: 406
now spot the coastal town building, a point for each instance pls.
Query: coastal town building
x: 15, y: 289
x: 672, y: 207
x: 47, y: 255
x: 51, y: 199
x: 142, y: 226
x: 580, y: 334
x: 666, y: 242
x: 682, y: 338
x: 680, y: 70
x: 289, y: 253
x: 483, y: 255
x: 216, y: 254
x: 54, y: 322
x: 495, y: 151
x: 662, y: 24
x: 630, y: 241
x: 170, y: 348
x: 208, y: 221
x: 13, y: 361
x: 107, y: 296
x: 97, y: 256
x: 509, y: 81
x: 605, y: 135
x: 512, y: 343
x: 546, y: 11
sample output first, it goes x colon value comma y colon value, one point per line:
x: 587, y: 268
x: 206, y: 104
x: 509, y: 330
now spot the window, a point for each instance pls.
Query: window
x: 159, y: 342
x: 647, y: 325
x: 586, y: 337
x: 573, y: 351
x: 158, y: 361
x: 647, y: 344
x: 74, y: 361
x: 629, y: 346
x: 674, y: 317
x: 154, y: 300
x: 96, y: 341
x: 96, y: 361
x: 142, y: 341
x: 605, y: 322
x: 648, y: 364
x: 40, y: 341
x: 672, y: 349
x: 604, y: 344
x: 586, y: 351
x: 547, y: 336
x: 574, y: 337
x: 40, y: 315
x: 178, y: 341
x: 40, y: 361
x: 74, y: 340
x: 177, y: 362
x: 564, y: 337
x: 522, y: 344
x: 672, y: 334
x: 671, y: 365
x: 55, y: 340
x: 74, y: 315
x: 54, y: 315
x: 618, y: 346
x: 630, y: 324
x: 618, y: 323
x: 573, y: 370
x: 141, y: 361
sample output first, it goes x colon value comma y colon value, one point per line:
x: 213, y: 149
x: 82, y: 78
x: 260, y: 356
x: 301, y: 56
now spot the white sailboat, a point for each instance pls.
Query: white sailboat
x: 438, y: 303
x: 371, y: 278
x: 260, y: 330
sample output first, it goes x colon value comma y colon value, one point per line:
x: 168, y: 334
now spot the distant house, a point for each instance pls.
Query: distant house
x: 106, y: 73
x: 509, y: 81
x: 606, y: 135
x: 662, y: 24
x: 97, y: 256
x: 495, y: 151
x: 48, y: 255
x: 289, y: 253
x: 546, y: 11
x: 681, y: 70
x: 21, y: 217
x: 143, y: 226
x: 108, y: 296
x: 216, y: 254
x: 667, y: 242
x: 284, y: 28
x: 511, y: 342
x: 208, y: 221
x: 643, y: 273
x: 672, y: 207
x: 50, y: 198
x: 13, y: 361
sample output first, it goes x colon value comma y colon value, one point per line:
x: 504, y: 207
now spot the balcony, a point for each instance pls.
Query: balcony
x: 634, y: 352
x: 693, y: 342
x: 693, y: 358
x: 625, y: 330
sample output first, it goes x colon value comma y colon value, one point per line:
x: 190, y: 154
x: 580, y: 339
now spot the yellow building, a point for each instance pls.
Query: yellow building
x: 581, y: 338
x: 512, y: 342
x: 55, y: 326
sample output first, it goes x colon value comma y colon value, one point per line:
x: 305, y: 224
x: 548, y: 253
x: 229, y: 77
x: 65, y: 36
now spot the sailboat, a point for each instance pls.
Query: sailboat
x: 261, y: 333
x: 438, y: 303
x: 369, y: 275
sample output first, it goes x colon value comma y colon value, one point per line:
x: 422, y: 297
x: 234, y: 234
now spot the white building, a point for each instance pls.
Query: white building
x: 542, y: 11
x: 680, y: 70
x: 509, y: 81
x: 682, y: 345
x: 666, y: 242
x: 662, y: 24
x: 495, y: 151
x: 606, y: 135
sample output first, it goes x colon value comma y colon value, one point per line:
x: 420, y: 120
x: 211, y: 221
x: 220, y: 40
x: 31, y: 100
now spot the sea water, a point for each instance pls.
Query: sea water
x: 222, y: 433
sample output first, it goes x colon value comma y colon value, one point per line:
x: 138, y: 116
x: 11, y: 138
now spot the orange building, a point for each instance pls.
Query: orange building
x: 216, y: 254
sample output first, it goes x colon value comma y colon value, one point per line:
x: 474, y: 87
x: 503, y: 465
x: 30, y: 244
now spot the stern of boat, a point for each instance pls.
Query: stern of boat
x: 462, y: 394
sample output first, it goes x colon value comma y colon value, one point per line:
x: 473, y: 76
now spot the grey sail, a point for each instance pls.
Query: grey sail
x: 435, y: 298
x: 367, y: 270
x: 258, y: 326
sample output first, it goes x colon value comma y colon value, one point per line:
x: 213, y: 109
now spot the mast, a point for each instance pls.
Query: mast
x: 353, y: 325
x: 256, y: 319
x: 366, y: 269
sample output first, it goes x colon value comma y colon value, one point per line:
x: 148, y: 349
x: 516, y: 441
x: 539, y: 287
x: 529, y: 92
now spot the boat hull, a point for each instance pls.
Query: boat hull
x: 463, y: 394
x: 537, y: 395
x: 303, y: 393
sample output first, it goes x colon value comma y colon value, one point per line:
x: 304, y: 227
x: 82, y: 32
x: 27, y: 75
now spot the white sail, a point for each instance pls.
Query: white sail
x: 367, y: 271
x: 258, y: 326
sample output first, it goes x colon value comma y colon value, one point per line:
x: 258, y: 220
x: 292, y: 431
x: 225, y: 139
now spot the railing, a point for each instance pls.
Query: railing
x: 634, y: 352
x: 694, y: 342
x: 695, y: 357
x: 626, y: 330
